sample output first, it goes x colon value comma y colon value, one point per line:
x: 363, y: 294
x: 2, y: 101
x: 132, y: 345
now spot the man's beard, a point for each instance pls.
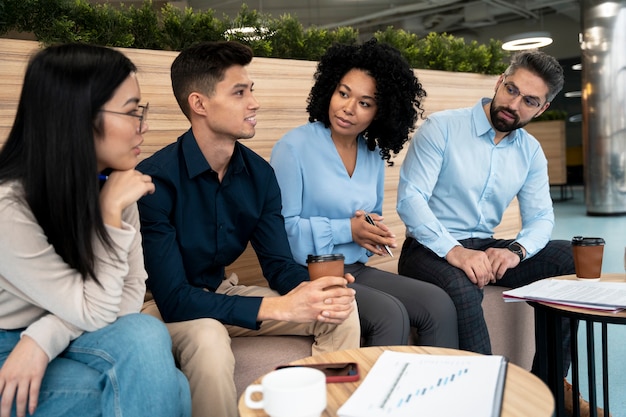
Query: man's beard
x: 503, y: 125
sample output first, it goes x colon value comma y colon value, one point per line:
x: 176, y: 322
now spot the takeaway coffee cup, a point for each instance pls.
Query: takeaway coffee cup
x: 325, y: 265
x: 588, y: 253
x: 290, y: 392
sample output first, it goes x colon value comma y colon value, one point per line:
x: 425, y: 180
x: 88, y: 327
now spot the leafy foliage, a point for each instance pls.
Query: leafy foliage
x: 144, y: 26
x: 172, y: 28
x: 446, y: 52
x: 289, y: 39
x: 183, y: 28
x: 551, y: 114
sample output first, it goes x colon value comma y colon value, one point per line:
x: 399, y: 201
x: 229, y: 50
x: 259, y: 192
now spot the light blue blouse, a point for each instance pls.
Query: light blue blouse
x: 455, y: 182
x: 319, y: 197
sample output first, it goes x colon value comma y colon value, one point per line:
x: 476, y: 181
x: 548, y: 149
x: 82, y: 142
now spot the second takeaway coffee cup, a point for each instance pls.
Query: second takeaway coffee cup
x: 325, y: 265
x: 588, y: 253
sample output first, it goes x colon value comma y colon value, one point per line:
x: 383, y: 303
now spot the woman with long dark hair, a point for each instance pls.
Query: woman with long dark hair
x: 72, y: 279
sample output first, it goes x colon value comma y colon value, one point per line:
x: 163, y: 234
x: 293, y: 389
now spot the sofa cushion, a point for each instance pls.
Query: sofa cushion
x: 256, y: 356
x: 511, y: 327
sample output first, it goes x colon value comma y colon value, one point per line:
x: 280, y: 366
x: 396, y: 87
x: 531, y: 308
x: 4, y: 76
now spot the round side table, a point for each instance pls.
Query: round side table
x: 524, y: 393
x: 549, y: 351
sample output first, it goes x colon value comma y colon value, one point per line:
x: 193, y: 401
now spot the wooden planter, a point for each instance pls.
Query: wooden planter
x: 551, y: 135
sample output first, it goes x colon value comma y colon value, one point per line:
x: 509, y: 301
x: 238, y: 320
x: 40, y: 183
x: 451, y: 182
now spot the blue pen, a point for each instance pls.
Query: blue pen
x: 103, y: 177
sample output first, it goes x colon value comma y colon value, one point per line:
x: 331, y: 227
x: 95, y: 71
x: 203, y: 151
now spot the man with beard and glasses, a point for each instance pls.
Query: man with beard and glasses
x: 462, y: 169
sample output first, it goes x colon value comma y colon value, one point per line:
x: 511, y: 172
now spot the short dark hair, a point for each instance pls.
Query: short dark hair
x: 50, y: 149
x: 398, y: 91
x: 541, y: 64
x: 200, y: 67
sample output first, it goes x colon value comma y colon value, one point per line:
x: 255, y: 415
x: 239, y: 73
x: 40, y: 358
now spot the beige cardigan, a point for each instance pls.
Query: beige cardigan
x: 44, y: 295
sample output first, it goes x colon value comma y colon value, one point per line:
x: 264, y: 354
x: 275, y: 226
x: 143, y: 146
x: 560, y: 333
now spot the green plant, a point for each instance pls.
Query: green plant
x: 100, y: 24
x: 182, y: 28
x: 28, y: 16
x: 251, y: 28
x: 552, y: 114
x: 289, y: 39
x: 145, y: 26
x: 446, y: 52
x: 171, y: 28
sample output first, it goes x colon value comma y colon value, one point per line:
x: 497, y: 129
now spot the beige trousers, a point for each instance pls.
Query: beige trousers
x: 202, y: 349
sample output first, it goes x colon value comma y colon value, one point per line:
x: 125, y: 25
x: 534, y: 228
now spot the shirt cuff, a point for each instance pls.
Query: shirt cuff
x: 342, y: 231
x: 52, y: 335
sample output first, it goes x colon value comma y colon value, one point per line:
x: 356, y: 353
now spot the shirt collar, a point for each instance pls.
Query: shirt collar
x: 196, y: 162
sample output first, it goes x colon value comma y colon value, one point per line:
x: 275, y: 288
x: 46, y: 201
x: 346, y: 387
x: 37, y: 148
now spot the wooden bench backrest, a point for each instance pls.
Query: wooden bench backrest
x: 281, y: 86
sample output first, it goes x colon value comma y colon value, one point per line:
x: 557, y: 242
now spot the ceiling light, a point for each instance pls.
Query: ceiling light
x: 577, y: 67
x: 573, y: 94
x: 529, y: 40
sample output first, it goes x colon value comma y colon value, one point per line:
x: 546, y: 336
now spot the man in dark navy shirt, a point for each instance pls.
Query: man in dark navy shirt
x: 213, y: 196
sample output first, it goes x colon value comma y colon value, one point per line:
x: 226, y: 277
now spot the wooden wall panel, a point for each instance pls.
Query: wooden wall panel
x: 551, y: 135
x: 281, y: 86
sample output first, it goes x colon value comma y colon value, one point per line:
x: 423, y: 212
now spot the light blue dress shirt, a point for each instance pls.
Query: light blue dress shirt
x: 319, y: 197
x: 455, y: 182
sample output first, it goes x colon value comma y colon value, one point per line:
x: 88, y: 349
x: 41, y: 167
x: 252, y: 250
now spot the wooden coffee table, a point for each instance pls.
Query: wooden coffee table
x: 524, y: 394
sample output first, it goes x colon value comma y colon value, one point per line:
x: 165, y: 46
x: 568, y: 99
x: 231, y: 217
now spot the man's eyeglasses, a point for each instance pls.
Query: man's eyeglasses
x: 141, y: 114
x: 529, y: 101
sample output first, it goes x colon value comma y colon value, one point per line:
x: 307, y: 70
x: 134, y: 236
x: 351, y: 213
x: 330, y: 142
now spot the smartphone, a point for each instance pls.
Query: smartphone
x: 335, y: 372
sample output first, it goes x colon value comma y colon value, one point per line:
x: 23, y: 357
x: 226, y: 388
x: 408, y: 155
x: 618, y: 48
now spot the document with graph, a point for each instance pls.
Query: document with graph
x: 409, y: 384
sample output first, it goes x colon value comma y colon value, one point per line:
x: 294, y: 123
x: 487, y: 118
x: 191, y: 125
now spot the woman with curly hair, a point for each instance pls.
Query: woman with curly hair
x: 362, y: 107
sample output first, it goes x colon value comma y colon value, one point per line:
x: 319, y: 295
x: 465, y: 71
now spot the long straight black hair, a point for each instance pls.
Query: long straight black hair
x: 50, y: 149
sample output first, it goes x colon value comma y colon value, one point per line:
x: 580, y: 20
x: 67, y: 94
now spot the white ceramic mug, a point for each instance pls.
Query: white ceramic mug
x: 290, y: 392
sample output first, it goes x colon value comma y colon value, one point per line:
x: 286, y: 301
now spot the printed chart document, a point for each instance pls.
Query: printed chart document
x: 608, y: 296
x: 404, y: 384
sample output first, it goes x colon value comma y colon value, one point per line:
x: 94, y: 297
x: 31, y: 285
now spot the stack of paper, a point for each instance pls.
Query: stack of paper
x: 609, y: 296
x: 408, y: 384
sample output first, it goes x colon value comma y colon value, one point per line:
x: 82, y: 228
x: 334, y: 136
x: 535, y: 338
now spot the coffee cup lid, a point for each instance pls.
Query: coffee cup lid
x: 324, y: 258
x: 587, y: 241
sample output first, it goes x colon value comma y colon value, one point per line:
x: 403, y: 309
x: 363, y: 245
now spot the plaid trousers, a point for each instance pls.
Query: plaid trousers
x: 417, y: 261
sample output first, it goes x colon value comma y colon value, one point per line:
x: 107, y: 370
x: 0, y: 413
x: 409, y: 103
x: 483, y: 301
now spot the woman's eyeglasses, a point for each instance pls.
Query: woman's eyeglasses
x: 141, y: 114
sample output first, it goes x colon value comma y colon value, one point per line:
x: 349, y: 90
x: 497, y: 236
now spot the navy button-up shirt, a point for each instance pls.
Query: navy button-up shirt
x: 193, y: 226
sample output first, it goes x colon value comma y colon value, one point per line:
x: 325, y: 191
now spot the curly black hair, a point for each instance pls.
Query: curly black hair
x: 398, y: 92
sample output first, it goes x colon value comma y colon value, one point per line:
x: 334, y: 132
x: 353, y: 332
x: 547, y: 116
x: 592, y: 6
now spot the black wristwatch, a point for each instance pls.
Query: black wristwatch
x: 517, y: 249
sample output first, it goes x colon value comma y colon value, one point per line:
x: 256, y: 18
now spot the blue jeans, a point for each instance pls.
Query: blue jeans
x: 124, y: 369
